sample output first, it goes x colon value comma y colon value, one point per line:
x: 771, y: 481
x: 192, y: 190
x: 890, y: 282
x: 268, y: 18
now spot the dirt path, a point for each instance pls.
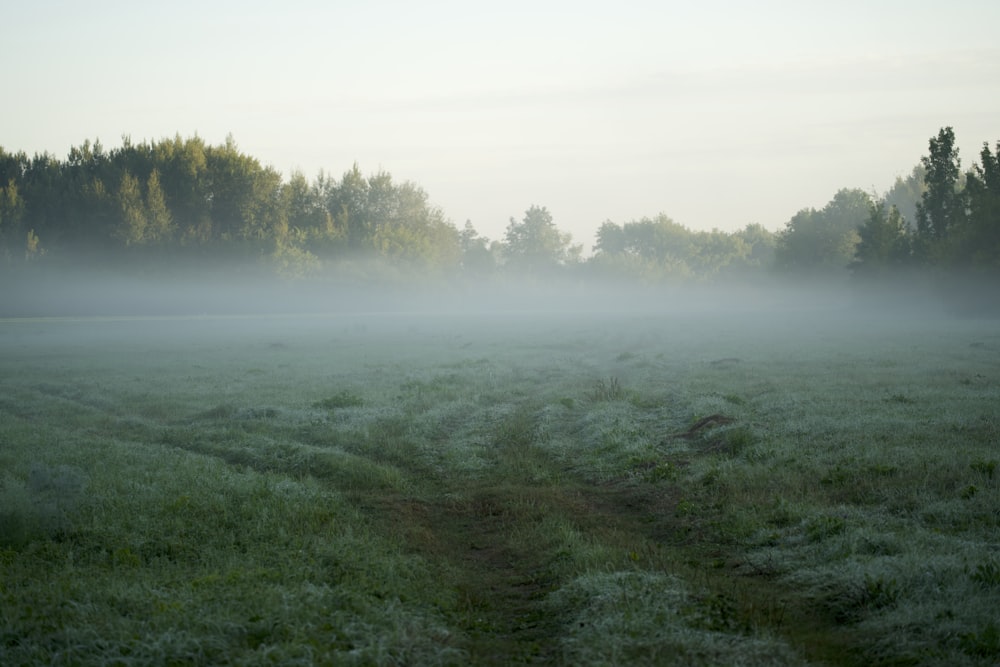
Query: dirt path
x: 502, y: 583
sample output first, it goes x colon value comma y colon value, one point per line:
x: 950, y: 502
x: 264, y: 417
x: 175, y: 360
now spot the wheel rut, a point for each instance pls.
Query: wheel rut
x: 477, y: 534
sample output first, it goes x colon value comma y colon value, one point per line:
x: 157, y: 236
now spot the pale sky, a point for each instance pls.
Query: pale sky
x: 717, y: 113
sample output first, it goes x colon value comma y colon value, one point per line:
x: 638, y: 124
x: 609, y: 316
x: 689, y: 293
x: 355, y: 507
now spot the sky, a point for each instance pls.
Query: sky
x: 715, y: 113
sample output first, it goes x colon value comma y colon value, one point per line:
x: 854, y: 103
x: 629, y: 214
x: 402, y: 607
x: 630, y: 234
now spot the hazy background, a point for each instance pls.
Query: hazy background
x: 716, y: 113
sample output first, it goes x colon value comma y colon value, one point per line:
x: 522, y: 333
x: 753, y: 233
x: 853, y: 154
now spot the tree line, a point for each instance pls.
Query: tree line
x: 184, y: 198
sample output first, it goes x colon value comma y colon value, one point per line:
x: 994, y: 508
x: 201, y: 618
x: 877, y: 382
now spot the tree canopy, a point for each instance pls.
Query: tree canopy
x: 536, y: 245
x: 182, y: 197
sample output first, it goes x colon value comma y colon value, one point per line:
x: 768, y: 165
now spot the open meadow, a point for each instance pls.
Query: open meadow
x: 786, y: 488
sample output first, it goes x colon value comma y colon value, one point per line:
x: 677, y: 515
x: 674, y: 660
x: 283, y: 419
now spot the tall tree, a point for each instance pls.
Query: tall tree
x: 244, y: 197
x: 477, y: 257
x: 535, y: 244
x: 159, y: 222
x: 407, y: 227
x: 348, y: 203
x: 183, y: 174
x: 941, y: 208
x: 310, y: 222
x: 131, y: 229
x: 982, y: 240
x: 11, y: 217
x: 906, y: 193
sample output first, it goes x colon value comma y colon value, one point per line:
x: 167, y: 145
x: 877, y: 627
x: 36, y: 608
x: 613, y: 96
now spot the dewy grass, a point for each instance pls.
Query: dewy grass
x: 644, y: 618
x: 185, y: 492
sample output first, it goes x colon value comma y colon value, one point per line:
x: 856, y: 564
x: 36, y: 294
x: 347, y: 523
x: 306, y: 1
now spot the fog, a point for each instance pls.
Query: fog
x: 237, y: 294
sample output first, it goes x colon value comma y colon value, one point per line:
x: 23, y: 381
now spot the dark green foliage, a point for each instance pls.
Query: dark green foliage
x: 883, y: 245
x: 980, y: 244
x: 183, y: 197
x: 155, y: 203
x: 941, y: 207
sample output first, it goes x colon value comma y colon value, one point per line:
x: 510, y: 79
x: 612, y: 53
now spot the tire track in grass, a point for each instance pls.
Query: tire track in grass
x: 488, y: 537
x: 499, y: 587
x: 473, y: 530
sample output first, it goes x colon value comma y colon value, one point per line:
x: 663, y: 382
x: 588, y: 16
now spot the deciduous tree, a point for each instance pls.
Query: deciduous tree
x: 822, y: 242
x: 982, y: 238
x: 884, y: 245
x: 535, y: 244
x: 941, y: 207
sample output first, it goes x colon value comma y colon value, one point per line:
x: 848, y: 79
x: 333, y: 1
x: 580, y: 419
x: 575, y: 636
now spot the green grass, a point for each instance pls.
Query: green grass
x: 416, y: 491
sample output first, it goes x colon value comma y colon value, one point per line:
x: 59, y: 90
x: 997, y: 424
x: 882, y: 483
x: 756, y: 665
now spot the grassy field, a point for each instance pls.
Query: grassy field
x: 579, y: 490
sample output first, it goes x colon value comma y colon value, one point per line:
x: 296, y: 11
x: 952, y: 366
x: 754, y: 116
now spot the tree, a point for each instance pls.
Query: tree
x: 244, y: 198
x: 981, y: 241
x: 884, y: 244
x: 348, y: 203
x: 660, y: 240
x: 183, y: 175
x: 132, y: 228
x: 822, y: 242
x: 716, y: 253
x: 159, y: 222
x: 32, y: 246
x: 611, y: 239
x: 941, y: 207
x: 760, y: 243
x: 659, y: 248
x: 382, y: 219
x: 408, y: 228
x: 477, y: 256
x: 11, y: 215
x: 535, y: 244
x: 906, y: 193
x: 310, y: 223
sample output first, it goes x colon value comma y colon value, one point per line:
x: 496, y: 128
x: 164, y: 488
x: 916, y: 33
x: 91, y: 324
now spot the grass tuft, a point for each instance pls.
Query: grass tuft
x: 342, y: 399
x: 607, y: 390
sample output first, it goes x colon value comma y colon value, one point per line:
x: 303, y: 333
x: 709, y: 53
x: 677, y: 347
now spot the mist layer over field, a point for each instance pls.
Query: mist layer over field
x: 242, y: 290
